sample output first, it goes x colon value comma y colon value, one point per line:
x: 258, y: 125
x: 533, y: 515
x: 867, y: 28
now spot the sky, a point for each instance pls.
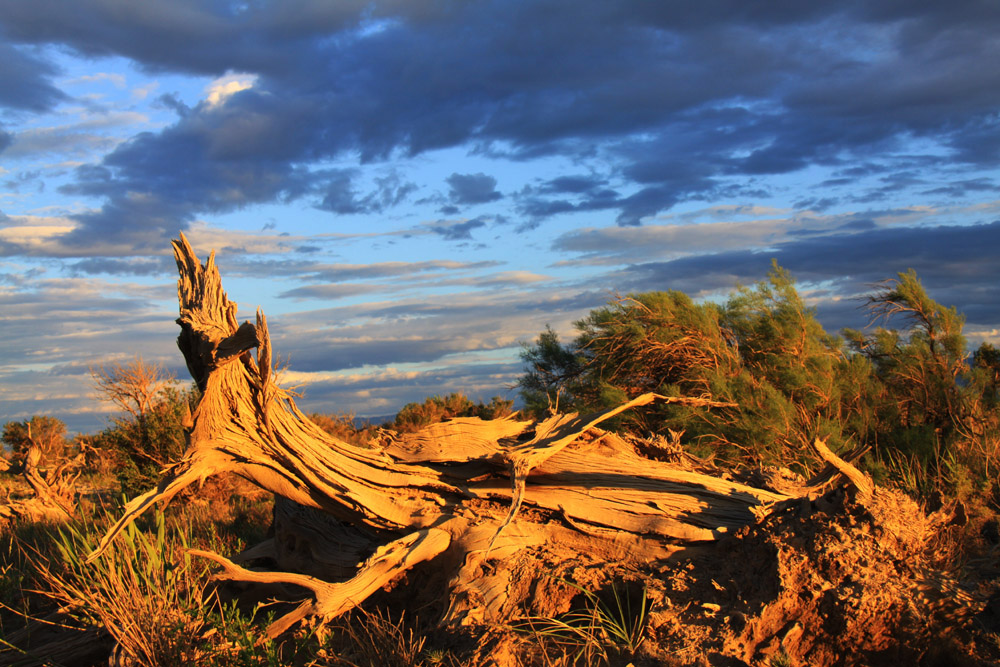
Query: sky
x: 411, y: 189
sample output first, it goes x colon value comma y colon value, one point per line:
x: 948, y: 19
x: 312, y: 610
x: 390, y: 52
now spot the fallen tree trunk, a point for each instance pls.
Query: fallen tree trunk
x: 476, y: 497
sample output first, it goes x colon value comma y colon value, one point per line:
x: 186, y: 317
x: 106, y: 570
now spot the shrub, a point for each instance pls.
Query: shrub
x: 914, y: 394
x: 415, y: 416
x: 47, y: 433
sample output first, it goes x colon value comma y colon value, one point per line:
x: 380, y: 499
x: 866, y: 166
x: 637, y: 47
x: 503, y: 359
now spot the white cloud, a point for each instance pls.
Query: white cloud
x: 91, y: 134
x: 34, y: 231
x: 205, y: 238
x: 142, y: 92
x: 618, y: 245
x: 226, y: 86
x: 978, y: 335
x: 117, y: 80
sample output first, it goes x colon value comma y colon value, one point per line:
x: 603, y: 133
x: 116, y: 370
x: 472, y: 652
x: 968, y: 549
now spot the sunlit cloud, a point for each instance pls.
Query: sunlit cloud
x: 224, y: 87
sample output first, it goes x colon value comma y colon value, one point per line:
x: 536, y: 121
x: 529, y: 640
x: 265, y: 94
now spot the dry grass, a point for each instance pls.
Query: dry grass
x: 146, y: 592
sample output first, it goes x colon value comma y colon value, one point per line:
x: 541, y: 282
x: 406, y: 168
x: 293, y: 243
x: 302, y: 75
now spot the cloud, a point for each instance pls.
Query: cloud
x: 717, y: 230
x: 330, y: 292
x: 955, y: 262
x: 224, y: 87
x: 565, y: 194
x: 612, y: 245
x: 456, y: 230
x: 55, y: 236
x: 422, y: 330
x: 341, y: 197
x: 50, y: 323
x: 959, y: 189
x: 682, y: 104
x: 633, y: 112
x: 337, y: 278
x: 136, y: 266
x: 469, y: 189
x: 74, y: 140
x: 32, y: 234
x: 382, y: 392
x: 116, y: 79
x: 25, y: 80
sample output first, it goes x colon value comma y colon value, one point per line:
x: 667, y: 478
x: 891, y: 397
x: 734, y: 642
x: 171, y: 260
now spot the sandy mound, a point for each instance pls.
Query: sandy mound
x: 825, y: 582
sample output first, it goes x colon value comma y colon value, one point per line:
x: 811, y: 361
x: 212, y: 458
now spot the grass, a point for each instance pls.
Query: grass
x: 607, y: 626
x: 145, y: 591
x: 159, y: 605
x: 375, y: 638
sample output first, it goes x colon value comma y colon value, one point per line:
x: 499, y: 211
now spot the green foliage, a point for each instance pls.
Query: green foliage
x: 763, y: 349
x: 415, y: 416
x: 920, y: 366
x: 552, y: 368
x: 913, y: 393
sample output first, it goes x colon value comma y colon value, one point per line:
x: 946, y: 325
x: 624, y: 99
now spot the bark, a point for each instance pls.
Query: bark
x: 473, y: 496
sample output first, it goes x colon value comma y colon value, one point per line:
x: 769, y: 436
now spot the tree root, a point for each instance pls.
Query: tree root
x: 332, y: 599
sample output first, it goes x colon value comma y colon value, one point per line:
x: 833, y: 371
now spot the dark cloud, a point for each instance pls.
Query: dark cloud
x: 956, y: 263
x: 817, y: 203
x: 858, y: 224
x: 572, y: 184
x: 341, y: 197
x: 457, y: 231
x: 565, y: 194
x: 5, y: 139
x: 687, y: 101
x: 135, y: 266
x: 962, y: 188
x: 467, y: 189
x: 25, y: 80
x: 201, y: 164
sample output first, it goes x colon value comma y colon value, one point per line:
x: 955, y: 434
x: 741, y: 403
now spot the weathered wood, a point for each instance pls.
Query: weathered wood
x: 467, y: 481
x: 54, y: 491
x: 332, y: 599
x: 862, y: 484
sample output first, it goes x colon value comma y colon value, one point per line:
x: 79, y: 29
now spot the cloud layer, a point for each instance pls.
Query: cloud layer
x: 410, y: 188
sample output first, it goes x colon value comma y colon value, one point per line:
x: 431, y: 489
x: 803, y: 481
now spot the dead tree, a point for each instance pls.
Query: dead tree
x: 474, y: 496
x: 54, y: 491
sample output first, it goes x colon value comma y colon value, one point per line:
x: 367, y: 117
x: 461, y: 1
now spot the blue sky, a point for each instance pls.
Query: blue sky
x: 411, y: 189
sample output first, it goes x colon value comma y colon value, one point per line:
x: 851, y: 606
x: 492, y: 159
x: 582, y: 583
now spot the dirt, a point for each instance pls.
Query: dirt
x: 817, y: 583
x: 825, y: 582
